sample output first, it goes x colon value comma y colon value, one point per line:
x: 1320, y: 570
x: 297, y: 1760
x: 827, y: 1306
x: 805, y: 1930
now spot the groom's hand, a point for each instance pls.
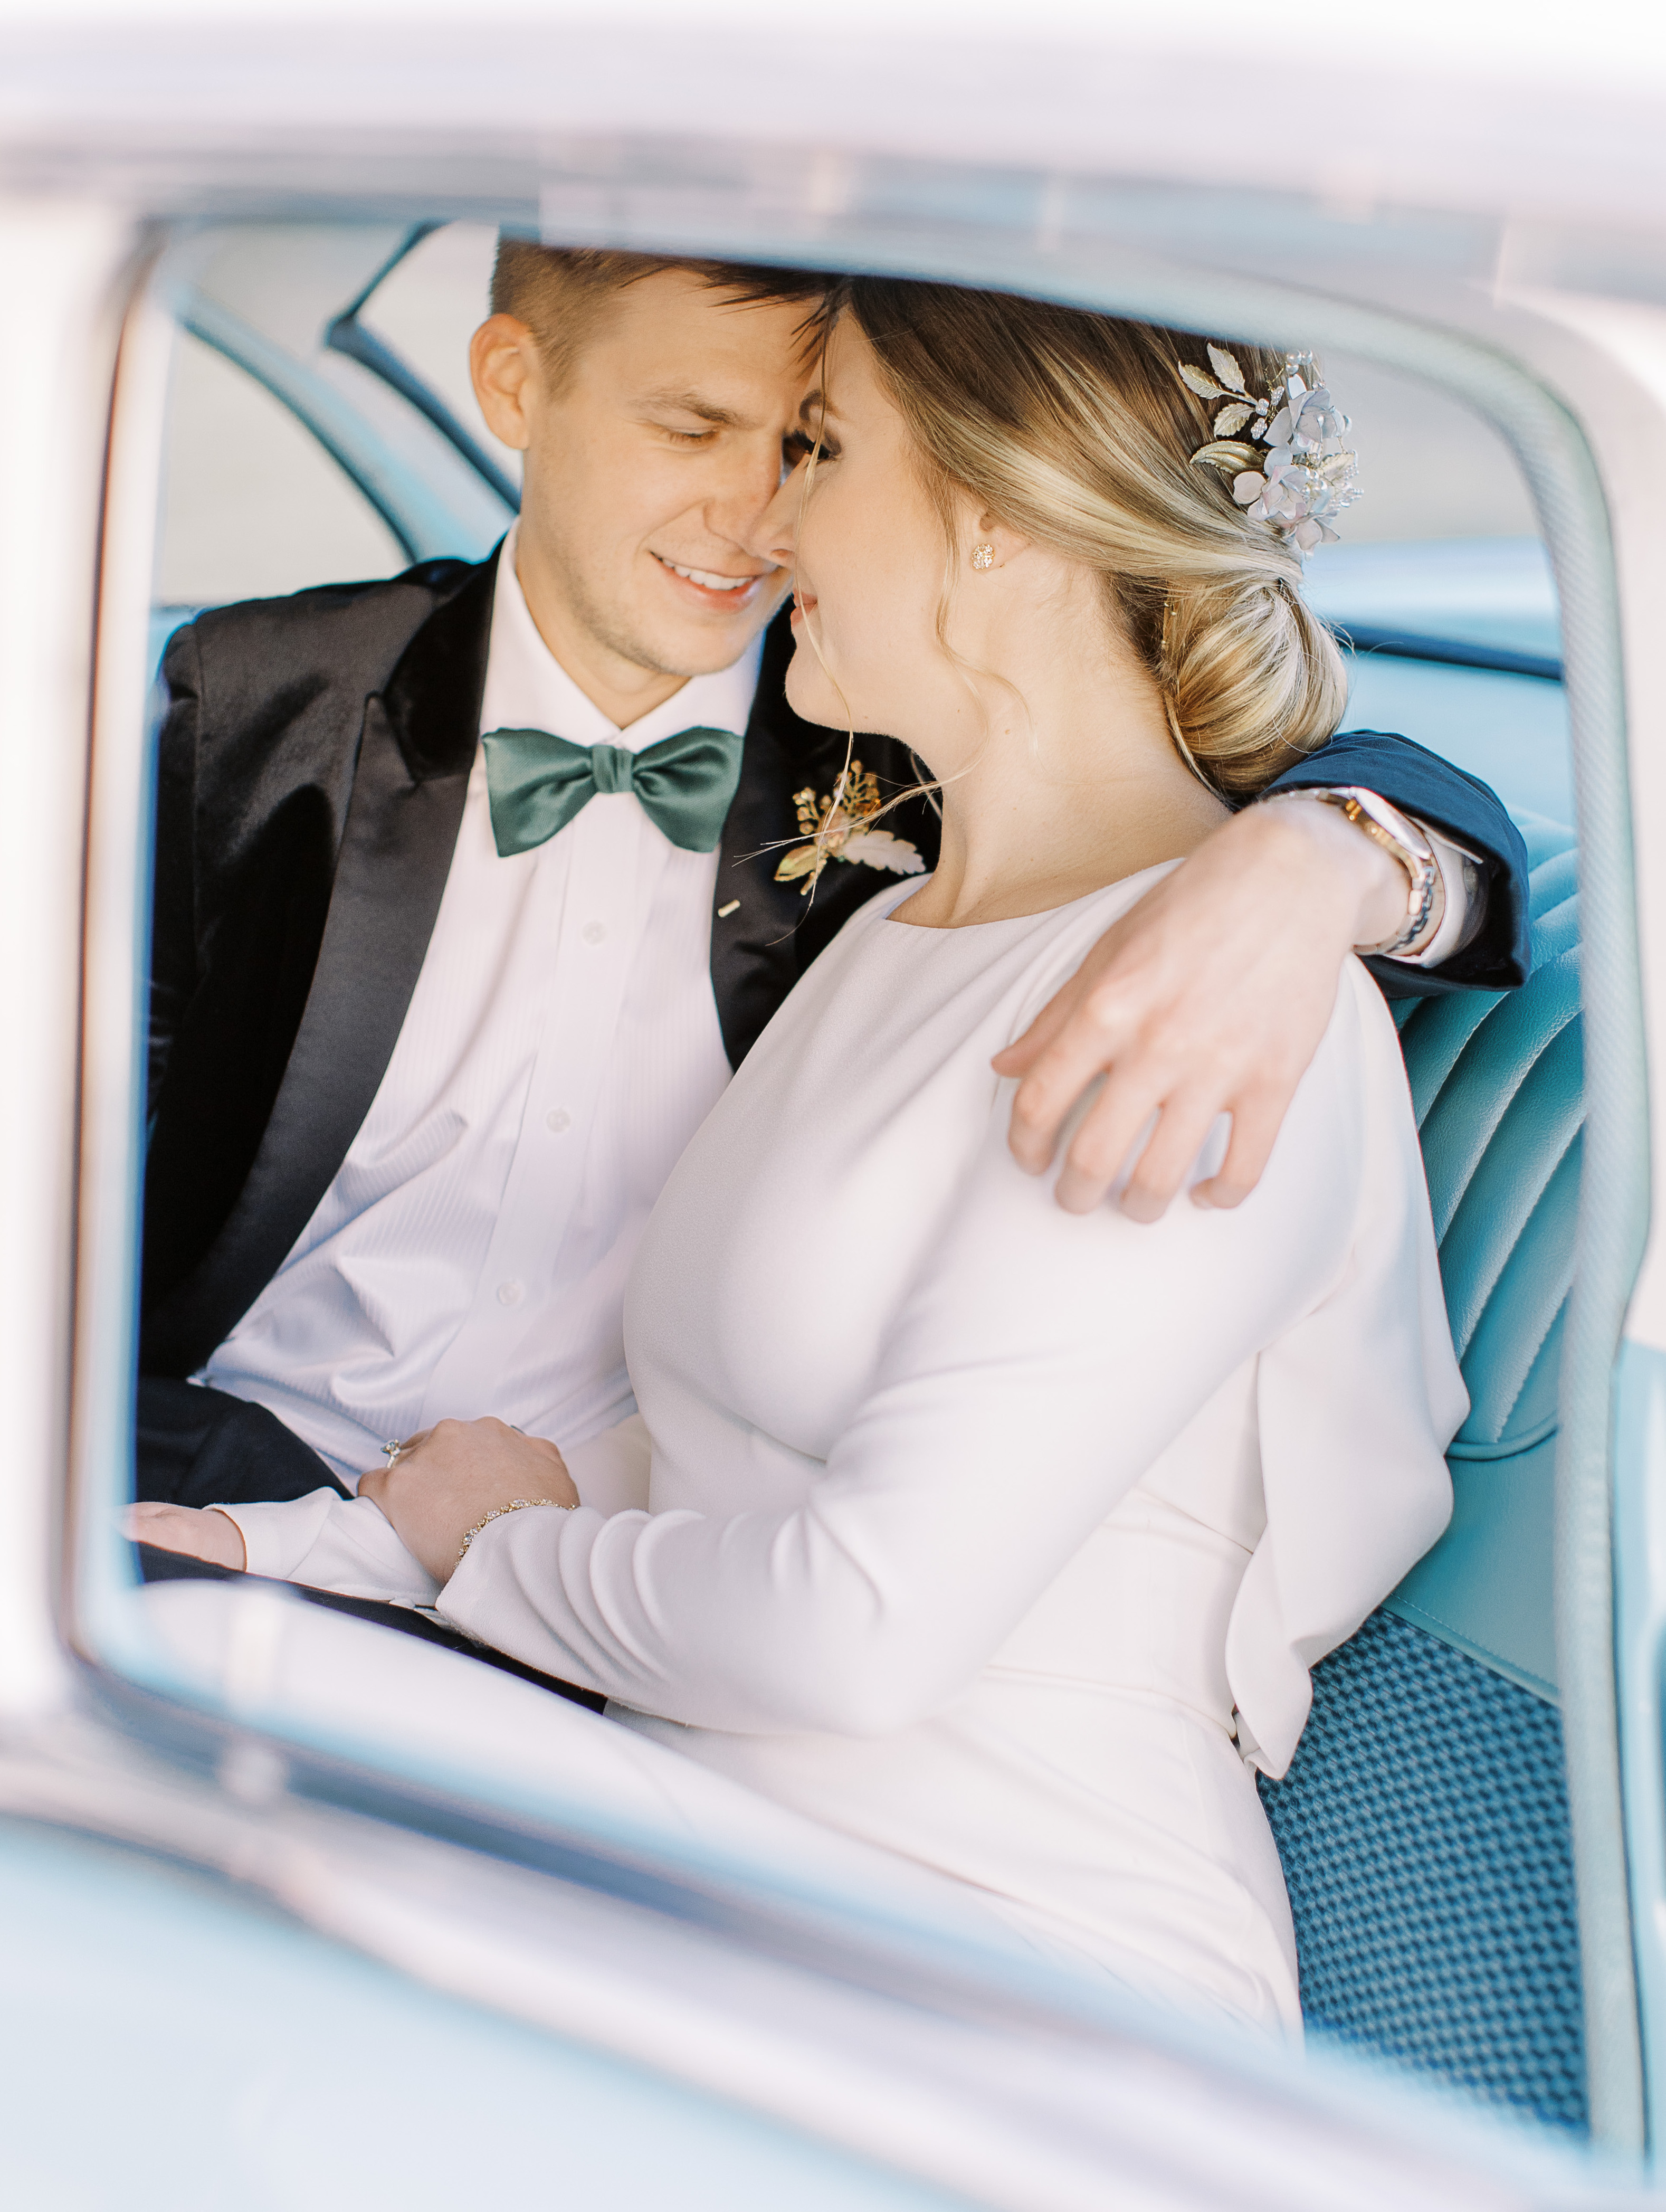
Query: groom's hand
x: 449, y: 1478
x: 1210, y: 996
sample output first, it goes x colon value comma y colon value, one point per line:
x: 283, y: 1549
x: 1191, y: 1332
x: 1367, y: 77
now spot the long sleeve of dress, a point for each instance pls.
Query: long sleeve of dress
x: 1039, y: 1365
x: 348, y: 1544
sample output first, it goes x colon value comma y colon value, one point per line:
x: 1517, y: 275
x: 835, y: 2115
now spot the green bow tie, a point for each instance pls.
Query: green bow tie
x: 537, y: 783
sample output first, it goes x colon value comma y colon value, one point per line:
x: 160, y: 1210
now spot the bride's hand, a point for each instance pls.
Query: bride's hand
x: 199, y: 1532
x: 449, y: 1479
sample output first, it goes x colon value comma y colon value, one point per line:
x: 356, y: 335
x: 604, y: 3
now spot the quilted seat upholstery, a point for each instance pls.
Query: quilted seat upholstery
x: 1423, y: 1825
x: 1496, y: 1085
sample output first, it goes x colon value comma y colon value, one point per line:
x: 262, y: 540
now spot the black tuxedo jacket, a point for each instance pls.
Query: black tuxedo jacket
x: 312, y: 767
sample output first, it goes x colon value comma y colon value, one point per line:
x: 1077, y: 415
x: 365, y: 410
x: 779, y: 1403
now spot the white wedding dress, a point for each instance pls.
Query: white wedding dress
x: 999, y: 1537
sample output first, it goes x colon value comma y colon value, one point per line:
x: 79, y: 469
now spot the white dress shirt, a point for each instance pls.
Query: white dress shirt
x: 561, y: 1048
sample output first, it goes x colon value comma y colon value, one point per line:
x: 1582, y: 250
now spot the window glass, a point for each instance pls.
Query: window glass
x: 1442, y: 550
x: 425, y: 308
x: 1429, y: 466
x: 252, y: 504
x: 289, y: 460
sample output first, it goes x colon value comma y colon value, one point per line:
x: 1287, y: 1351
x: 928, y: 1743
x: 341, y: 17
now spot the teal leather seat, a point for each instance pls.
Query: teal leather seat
x: 1423, y: 1825
x: 1497, y: 1087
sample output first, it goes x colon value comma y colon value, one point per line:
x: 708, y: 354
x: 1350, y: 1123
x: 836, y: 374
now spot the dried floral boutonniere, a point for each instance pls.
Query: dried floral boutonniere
x: 836, y: 829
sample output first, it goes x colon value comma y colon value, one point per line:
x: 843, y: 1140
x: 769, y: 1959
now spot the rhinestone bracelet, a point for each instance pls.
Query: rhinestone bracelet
x: 514, y: 1505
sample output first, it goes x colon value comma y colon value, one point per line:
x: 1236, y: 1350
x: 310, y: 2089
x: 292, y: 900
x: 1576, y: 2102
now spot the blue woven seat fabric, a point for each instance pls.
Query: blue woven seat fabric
x: 1423, y: 1828
x: 1423, y: 1825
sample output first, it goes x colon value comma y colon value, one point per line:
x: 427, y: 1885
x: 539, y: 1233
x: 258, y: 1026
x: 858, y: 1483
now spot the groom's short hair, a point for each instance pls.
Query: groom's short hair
x: 561, y: 292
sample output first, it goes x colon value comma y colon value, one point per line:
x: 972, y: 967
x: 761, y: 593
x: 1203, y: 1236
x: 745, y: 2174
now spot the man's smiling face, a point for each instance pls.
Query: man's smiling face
x: 646, y: 468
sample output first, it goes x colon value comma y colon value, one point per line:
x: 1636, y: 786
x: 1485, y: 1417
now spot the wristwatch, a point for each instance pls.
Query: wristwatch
x: 1396, y: 834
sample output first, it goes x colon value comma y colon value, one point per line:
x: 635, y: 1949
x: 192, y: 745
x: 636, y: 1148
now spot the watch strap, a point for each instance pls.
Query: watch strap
x: 1397, y: 834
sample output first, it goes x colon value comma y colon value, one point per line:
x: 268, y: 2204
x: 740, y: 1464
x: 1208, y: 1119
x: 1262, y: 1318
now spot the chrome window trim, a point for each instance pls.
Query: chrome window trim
x: 67, y: 269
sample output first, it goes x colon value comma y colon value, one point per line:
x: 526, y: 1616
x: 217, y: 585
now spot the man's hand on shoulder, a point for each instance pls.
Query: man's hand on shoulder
x: 1210, y: 996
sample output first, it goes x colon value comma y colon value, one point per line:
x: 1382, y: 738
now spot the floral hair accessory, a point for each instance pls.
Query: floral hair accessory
x: 1306, y: 475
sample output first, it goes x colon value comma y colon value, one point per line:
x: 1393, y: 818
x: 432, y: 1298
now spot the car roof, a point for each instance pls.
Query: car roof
x: 1525, y: 111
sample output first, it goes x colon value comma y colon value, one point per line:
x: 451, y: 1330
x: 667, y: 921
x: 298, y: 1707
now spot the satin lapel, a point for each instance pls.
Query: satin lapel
x: 415, y: 754
x: 762, y: 947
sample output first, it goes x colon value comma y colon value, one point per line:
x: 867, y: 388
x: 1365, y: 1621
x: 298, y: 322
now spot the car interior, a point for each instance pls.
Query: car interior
x: 317, y: 382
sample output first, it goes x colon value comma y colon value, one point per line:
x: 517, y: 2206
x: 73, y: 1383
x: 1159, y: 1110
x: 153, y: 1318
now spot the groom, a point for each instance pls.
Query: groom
x: 437, y: 1000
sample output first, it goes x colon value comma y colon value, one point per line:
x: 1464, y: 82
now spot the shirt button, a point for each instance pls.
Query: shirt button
x: 557, y: 1119
x: 509, y: 1294
x: 593, y: 933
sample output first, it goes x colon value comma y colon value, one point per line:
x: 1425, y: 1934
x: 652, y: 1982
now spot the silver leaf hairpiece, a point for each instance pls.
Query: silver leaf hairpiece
x: 1306, y: 475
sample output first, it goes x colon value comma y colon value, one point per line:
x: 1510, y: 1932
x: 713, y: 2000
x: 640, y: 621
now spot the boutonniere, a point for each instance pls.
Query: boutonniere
x: 837, y: 829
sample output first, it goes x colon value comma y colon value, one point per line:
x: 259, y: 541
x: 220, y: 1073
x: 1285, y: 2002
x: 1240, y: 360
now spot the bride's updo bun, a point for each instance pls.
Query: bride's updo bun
x: 1079, y: 431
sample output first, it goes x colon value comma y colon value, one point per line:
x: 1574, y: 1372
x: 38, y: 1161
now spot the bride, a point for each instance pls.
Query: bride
x: 999, y: 1539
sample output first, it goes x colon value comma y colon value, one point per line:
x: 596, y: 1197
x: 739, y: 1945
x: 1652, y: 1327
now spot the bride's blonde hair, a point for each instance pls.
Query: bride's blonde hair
x: 1077, y: 430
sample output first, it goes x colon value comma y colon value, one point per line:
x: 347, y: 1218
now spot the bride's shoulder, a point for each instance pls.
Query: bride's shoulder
x: 1054, y: 944
x: 1086, y: 919
x: 1355, y: 1095
x: 1363, y: 1027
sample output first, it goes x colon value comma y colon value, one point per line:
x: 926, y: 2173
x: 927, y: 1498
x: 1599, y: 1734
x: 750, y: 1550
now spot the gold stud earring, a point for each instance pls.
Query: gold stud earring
x: 983, y: 556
